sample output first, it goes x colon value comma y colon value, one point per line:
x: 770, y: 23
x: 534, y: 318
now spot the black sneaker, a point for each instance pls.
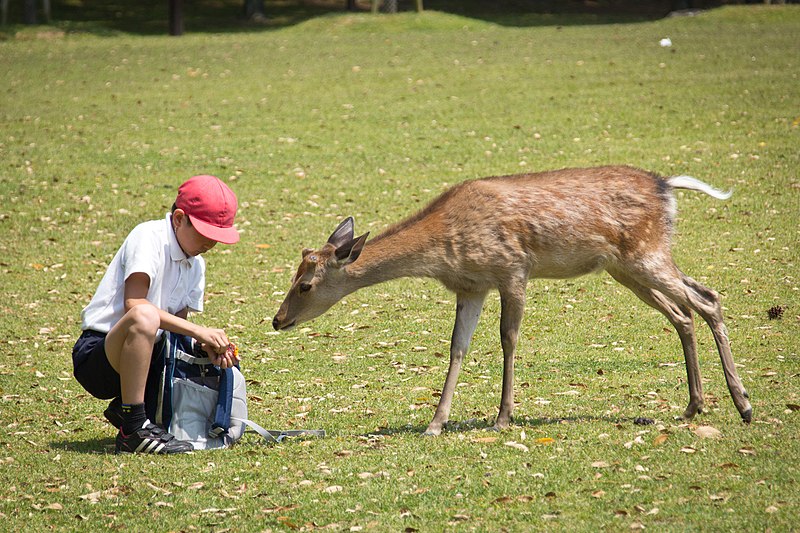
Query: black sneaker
x: 113, y: 413
x: 151, y: 439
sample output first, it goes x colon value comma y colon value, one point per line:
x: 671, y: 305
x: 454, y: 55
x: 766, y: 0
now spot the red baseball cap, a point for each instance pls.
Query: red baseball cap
x: 211, y: 206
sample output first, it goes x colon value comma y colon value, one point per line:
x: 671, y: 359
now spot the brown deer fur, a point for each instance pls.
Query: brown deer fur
x: 498, y: 232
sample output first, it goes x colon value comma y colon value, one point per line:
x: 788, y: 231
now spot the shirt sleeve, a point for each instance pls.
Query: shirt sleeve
x: 142, y: 253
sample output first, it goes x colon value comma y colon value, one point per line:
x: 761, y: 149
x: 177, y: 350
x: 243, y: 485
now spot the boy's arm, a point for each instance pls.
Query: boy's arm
x: 213, y: 340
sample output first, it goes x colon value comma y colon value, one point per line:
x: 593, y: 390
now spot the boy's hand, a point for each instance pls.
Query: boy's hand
x: 227, y: 359
x: 220, y: 350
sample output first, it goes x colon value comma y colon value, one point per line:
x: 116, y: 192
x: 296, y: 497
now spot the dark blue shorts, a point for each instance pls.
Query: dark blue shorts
x: 91, y: 367
x: 93, y: 370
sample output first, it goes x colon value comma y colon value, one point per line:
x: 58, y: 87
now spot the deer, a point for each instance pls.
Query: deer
x: 497, y: 233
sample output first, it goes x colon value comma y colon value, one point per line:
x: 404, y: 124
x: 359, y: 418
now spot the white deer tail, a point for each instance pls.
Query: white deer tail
x: 688, y: 182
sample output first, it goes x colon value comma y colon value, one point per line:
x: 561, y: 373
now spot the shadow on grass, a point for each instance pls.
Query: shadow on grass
x: 99, y: 446
x: 150, y: 17
x: 486, y: 424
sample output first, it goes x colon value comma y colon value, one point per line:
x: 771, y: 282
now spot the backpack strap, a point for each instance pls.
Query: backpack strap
x: 191, y: 359
x: 276, y: 436
x: 163, y: 408
x: 222, y: 414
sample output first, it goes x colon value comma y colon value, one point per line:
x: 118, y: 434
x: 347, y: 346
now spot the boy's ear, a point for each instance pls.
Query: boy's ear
x: 179, y: 216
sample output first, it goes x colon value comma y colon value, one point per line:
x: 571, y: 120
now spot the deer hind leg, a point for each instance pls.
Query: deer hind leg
x: 512, y: 307
x: 685, y: 291
x: 468, y: 311
x: 707, y: 304
x: 681, y: 318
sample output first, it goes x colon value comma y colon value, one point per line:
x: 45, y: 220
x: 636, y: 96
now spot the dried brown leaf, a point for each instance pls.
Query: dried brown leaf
x: 707, y: 432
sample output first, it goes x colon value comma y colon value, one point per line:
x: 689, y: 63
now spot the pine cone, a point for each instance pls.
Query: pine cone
x: 775, y: 312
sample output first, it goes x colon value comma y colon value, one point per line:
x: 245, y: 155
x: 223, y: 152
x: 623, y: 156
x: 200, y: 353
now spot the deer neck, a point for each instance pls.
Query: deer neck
x: 394, y: 254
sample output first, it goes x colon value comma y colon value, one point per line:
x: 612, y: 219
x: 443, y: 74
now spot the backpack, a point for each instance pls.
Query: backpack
x: 199, y: 402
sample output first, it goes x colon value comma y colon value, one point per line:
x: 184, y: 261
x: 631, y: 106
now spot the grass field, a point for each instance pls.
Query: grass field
x: 372, y: 116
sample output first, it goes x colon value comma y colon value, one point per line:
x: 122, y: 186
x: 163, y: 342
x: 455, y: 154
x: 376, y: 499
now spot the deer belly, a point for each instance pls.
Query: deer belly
x: 567, y: 266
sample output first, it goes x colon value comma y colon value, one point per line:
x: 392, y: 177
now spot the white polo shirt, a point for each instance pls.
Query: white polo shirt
x: 176, y: 281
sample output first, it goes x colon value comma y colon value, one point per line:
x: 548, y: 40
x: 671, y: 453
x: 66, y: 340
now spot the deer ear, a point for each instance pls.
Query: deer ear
x: 306, y: 251
x: 342, y: 234
x: 350, y: 251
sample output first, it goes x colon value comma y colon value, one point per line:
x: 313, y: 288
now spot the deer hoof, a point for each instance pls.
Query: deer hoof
x: 692, y: 410
x: 432, y: 432
x: 747, y: 416
x: 499, y: 426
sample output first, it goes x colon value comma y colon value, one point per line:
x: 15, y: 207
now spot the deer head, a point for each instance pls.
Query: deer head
x: 321, y: 278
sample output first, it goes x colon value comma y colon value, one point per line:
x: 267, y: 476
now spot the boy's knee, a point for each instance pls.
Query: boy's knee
x: 144, y: 319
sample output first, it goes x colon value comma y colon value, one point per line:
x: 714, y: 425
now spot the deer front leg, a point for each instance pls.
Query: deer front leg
x: 468, y: 311
x: 512, y: 307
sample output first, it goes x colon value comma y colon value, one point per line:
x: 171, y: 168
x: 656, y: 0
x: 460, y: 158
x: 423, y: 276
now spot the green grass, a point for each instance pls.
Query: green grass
x: 371, y: 117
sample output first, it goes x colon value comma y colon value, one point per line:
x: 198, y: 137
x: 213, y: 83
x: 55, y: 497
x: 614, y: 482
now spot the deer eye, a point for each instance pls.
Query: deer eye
x: 305, y: 287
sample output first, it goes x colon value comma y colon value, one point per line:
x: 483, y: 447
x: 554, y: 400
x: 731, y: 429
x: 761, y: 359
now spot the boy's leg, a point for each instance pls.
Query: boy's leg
x: 129, y: 348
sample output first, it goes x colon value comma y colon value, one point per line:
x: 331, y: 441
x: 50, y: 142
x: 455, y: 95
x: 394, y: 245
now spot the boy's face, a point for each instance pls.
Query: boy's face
x: 189, y: 239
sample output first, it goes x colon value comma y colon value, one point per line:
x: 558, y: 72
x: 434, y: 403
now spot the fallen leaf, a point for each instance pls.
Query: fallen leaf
x: 516, y: 445
x: 707, y: 432
x: 793, y: 406
x: 660, y: 439
x: 544, y: 440
x: 333, y: 489
x: 485, y: 440
x: 600, y: 464
x: 747, y: 451
x: 263, y: 246
x: 286, y: 521
x: 598, y: 494
x: 688, y: 449
x: 771, y: 509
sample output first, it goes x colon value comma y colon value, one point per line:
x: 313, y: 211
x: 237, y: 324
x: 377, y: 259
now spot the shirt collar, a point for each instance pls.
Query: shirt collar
x: 175, y: 251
